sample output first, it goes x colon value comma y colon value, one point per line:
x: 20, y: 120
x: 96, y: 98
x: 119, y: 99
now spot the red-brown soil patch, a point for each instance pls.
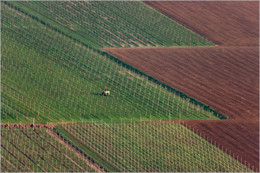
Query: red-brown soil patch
x: 224, y: 23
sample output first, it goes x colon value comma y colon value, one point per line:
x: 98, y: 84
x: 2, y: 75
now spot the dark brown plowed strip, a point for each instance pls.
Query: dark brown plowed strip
x: 224, y: 23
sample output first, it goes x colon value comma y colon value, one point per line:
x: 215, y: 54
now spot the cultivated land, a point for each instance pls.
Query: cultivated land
x: 225, y: 77
x: 57, y: 79
x: 59, y: 65
x: 148, y: 147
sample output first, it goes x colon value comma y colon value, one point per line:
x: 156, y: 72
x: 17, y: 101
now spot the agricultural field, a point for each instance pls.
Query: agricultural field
x: 57, y: 79
x: 184, y: 90
x: 112, y: 24
x: 37, y: 150
x: 225, y: 76
x: 148, y: 147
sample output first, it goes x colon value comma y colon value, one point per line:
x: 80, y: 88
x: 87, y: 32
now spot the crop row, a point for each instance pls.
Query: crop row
x: 49, y: 77
x: 114, y: 24
x: 150, y: 147
x: 36, y: 150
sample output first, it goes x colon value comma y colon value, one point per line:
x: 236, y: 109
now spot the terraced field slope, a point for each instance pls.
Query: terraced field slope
x: 37, y: 150
x: 112, y: 24
x: 225, y: 76
x: 49, y: 77
x: 148, y: 147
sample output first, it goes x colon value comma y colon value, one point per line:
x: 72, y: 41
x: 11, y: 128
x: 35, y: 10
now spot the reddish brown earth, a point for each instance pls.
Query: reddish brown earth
x: 224, y: 23
x: 226, y: 76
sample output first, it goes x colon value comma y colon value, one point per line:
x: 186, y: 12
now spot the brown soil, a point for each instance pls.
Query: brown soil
x: 226, y: 77
x: 224, y: 23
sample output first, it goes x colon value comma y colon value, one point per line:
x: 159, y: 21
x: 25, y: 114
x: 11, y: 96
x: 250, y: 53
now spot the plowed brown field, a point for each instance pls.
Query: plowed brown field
x: 224, y: 23
x: 226, y: 77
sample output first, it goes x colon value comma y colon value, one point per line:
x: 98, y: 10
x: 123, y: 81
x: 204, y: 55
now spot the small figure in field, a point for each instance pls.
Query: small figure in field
x: 105, y: 92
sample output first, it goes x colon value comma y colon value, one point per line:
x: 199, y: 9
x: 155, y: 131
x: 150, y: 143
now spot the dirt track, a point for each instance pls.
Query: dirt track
x: 226, y: 76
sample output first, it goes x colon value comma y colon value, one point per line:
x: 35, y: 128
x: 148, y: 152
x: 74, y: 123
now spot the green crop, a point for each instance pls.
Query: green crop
x: 112, y: 24
x: 148, y: 147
